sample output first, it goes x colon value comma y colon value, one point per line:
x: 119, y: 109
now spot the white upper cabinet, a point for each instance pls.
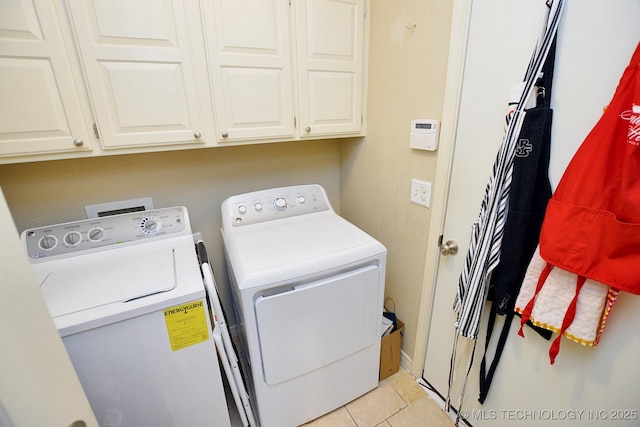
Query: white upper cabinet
x: 330, y: 47
x: 82, y: 78
x: 264, y: 53
x: 140, y: 60
x: 40, y: 106
x: 249, y: 49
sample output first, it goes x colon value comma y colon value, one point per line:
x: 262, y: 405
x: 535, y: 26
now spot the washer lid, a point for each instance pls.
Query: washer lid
x: 116, y: 280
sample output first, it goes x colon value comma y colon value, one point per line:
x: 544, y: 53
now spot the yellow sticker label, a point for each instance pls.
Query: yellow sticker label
x: 186, y: 324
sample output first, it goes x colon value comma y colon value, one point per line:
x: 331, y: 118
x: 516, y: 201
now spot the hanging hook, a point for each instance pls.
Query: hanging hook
x: 411, y: 26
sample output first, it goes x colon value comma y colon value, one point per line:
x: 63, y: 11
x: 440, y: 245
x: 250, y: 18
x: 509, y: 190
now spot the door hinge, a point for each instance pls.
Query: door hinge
x: 294, y: 122
x: 362, y: 119
x: 95, y: 131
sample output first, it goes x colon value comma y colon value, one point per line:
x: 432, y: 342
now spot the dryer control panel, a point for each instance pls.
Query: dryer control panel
x: 273, y: 204
x: 72, y: 238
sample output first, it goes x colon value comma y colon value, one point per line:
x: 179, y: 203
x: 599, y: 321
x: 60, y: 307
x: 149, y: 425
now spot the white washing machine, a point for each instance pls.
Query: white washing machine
x: 128, y: 299
x: 308, y: 292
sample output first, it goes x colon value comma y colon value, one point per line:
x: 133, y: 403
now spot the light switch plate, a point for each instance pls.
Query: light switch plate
x: 421, y: 193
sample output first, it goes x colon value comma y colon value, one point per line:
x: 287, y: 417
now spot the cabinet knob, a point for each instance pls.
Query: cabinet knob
x: 225, y: 135
x: 307, y: 129
x: 78, y: 142
x: 197, y: 135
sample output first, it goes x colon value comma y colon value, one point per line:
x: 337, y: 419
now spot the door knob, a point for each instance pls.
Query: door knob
x: 449, y: 248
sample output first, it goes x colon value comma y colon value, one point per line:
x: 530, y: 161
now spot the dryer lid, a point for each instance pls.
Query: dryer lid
x: 280, y: 250
x: 78, y: 288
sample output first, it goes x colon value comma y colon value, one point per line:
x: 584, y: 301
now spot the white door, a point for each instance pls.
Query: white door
x: 38, y: 384
x: 594, y: 46
x: 40, y: 107
x: 249, y: 48
x: 330, y: 36
x: 140, y: 64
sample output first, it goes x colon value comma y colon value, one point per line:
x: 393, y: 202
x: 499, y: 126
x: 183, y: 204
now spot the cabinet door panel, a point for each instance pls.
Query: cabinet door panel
x: 149, y: 22
x: 132, y: 91
x: 243, y: 88
x: 330, y: 65
x: 339, y: 43
x: 39, y: 105
x: 139, y: 69
x: 251, y: 72
x: 335, y: 95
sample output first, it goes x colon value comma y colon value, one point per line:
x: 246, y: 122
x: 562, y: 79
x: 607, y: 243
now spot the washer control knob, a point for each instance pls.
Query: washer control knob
x: 258, y: 207
x: 72, y: 238
x: 95, y: 234
x: 48, y: 242
x: 280, y: 203
x: 242, y: 209
x: 301, y: 200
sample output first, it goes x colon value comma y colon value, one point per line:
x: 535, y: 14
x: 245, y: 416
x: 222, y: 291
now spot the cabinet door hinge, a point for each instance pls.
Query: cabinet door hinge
x: 294, y: 122
x: 362, y: 119
x: 95, y: 131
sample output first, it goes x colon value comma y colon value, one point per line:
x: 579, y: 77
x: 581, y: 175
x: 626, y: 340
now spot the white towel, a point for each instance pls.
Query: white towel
x: 593, y: 305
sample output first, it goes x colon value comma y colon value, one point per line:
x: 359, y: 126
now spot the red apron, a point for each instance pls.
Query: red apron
x: 592, y: 222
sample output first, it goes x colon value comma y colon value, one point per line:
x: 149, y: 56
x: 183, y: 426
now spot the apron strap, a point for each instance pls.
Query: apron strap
x: 487, y: 377
x: 568, y: 319
x: 526, y: 313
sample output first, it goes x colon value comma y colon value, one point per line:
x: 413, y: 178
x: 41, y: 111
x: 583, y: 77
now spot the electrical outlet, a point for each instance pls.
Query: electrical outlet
x: 421, y: 193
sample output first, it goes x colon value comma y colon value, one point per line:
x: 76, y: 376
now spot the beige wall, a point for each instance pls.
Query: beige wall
x: 407, y: 70
x: 44, y: 193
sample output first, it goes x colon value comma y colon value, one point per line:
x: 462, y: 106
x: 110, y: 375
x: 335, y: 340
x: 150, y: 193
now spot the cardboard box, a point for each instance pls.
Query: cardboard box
x: 390, y: 352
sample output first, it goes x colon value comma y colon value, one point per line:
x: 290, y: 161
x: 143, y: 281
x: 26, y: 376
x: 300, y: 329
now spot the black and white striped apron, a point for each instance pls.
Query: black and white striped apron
x: 486, y: 238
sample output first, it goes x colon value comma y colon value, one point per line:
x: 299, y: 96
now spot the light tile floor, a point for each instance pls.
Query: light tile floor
x: 398, y: 401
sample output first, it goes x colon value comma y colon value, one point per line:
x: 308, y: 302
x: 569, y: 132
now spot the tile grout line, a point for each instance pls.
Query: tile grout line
x: 438, y: 400
x: 406, y: 405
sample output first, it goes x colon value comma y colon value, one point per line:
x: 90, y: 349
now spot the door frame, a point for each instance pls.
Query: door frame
x: 460, y: 21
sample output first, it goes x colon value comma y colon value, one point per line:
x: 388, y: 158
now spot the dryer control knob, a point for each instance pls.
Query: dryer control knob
x: 280, y: 204
x: 301, y: 199
x: 150, y: 225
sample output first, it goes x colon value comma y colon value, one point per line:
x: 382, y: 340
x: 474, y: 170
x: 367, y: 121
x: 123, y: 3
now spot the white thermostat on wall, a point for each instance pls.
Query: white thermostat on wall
x: 424, y: 134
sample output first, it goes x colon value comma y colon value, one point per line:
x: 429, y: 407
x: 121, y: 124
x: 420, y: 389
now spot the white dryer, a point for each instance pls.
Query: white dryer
x: 128, y: 299
x: 308, y: 292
